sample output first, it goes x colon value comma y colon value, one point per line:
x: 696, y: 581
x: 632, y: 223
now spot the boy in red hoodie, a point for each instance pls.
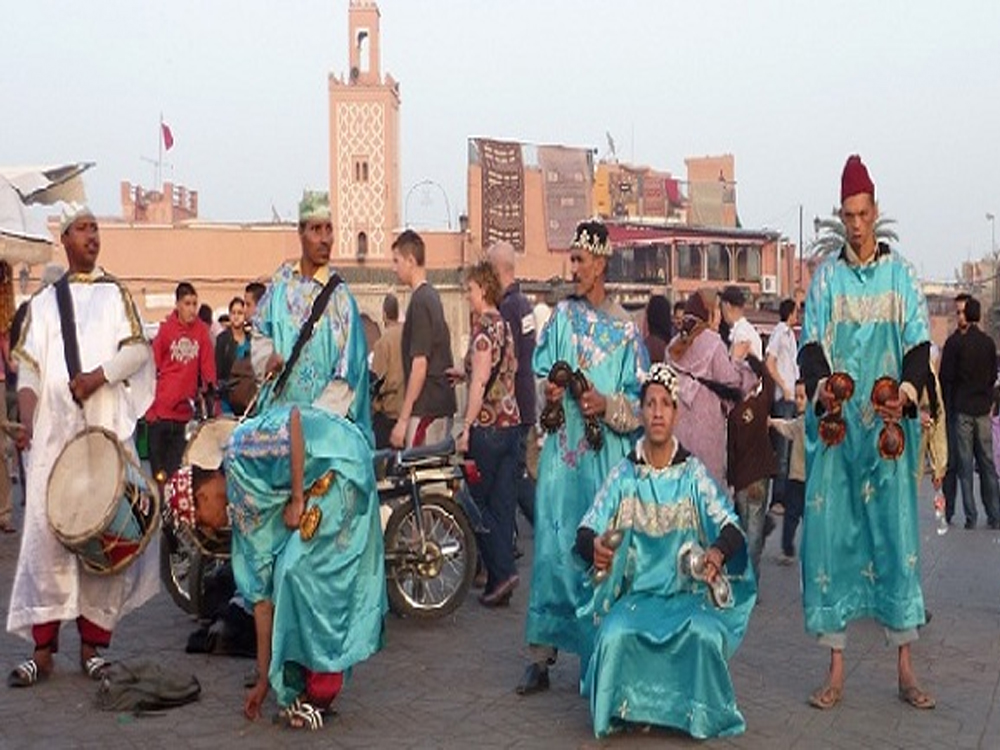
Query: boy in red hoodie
x: 185, y: 368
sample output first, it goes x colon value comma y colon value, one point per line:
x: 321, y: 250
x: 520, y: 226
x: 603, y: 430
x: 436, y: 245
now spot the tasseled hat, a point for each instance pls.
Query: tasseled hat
x: 855, y: 179
x: 593, y: 237
x: 660, y: 373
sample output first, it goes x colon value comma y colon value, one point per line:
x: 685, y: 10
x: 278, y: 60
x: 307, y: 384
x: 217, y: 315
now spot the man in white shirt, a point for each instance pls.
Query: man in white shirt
x: 743, y: 337
x: 782, y: 355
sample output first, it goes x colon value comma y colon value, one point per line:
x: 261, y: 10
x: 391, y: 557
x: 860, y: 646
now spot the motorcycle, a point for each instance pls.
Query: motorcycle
x: 428, y: 519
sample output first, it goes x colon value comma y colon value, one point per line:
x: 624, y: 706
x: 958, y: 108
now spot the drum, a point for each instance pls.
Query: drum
x: 100, y: 504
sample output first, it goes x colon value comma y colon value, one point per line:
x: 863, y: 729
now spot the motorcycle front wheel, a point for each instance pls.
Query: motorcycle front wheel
x: 182, y: 570
x: 430, y: 580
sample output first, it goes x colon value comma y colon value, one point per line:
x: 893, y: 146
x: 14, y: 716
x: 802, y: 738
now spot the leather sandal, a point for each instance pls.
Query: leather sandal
x: 95, y: 667
x: 916, y: 697
x: 826, y: 697
x: 26, y: 674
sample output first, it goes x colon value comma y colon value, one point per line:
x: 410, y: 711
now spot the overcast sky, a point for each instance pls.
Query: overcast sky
x: 790, y: 88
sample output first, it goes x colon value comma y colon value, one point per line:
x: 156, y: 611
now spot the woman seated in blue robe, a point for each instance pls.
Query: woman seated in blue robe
x: 662, y: 643
x: 297, y: 486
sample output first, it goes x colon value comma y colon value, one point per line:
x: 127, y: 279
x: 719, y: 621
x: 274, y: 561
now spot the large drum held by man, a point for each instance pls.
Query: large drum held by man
x: 100, y: 504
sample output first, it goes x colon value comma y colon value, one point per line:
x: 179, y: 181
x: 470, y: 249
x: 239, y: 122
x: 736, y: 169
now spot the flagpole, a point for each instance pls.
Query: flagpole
x: 159, y: 156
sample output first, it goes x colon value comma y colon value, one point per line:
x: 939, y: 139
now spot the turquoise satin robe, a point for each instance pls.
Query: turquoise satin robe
x: 662, y: 648
x: 611, y: 354
x: 860, y: 537
x: 329, y: 592
x: 337, y: 349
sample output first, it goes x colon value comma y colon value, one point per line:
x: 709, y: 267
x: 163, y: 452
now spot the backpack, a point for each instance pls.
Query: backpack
x: 141, y: 685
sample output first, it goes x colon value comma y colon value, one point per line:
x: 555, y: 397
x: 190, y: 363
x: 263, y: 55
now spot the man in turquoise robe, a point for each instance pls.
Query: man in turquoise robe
x: 864, y: 316
x: 593, y: 334
x: 662, y: 646
x: 332, y: 370
x: 307, y: 548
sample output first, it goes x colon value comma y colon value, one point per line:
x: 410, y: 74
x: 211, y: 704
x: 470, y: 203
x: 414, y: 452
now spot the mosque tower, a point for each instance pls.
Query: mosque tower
x: 364, y: 145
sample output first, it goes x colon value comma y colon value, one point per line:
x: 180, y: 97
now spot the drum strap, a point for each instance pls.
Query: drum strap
x: 67, y: 322
x: 306, y: 332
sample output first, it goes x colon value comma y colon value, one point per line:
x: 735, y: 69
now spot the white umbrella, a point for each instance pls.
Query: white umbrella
x: 23, y: 186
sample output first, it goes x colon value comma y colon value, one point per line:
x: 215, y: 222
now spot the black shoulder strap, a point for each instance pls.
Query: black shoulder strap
x: 67, y: 322
x: 306, y: 332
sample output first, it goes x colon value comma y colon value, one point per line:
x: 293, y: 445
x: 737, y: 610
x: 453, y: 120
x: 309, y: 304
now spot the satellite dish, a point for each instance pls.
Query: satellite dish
x: 355, y: 73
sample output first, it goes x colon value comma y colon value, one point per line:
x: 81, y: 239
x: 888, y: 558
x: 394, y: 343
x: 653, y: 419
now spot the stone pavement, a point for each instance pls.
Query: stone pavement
x: 450, y: 684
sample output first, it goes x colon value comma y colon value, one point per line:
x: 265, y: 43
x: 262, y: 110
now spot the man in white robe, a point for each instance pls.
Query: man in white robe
x: 113, y: 389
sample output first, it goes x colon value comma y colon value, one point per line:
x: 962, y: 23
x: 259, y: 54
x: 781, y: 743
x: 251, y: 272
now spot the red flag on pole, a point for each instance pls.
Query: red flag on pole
x: 168, y: 137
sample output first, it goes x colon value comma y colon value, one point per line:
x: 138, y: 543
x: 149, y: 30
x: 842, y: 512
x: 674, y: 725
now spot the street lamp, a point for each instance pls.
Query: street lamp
x: 991, y: 218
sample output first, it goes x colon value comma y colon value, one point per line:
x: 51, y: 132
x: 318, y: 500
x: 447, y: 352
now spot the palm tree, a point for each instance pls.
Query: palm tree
x: 833, y: 235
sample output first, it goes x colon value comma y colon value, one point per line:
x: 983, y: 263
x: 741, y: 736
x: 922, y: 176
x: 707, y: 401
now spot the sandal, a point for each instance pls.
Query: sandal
x: 916, y: 697
x: 826, y: 697
x: 26, y: 674
x: 301, y: 715
x: 96, y: 667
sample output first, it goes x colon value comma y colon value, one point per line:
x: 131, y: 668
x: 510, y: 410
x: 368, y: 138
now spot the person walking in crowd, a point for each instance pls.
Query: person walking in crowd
x: 387, y: 368
x: 658, y: 327
x: 781, y: 362
x: 519, y: 315
x: 865, y: 359
x: 306, y: 548
x: 185, y: 373
x: 100, y: 375
x: 311, y: 340
x: 743, y: 337
x: 750, y: 461
x: 677, y: 318
x: 947, y: 376
x: 793, y: 431
x: 661, y: 649
x: 592, y: 358
x: 969, y: 374
x: 232, y: 346
x: 429, y: 400
x: 491, y: 431
x: 253, y: 293
x: 710, y: 383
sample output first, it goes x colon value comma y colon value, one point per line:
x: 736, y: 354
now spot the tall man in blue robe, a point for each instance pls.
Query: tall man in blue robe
x: 662, y: 647
x: 332, y: 371
x: 595, y: 337
x: 866, y: 317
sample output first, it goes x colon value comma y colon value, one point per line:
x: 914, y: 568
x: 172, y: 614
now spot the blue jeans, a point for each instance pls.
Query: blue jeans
x: 525, y: 484
x: 949, y: 487
x: 494, y: 449
x: 975, y: 441
x: 751, y: 507
x: 782, y: 449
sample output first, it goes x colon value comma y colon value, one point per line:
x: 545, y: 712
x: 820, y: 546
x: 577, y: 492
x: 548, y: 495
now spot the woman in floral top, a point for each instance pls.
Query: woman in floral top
x: 490, y: 434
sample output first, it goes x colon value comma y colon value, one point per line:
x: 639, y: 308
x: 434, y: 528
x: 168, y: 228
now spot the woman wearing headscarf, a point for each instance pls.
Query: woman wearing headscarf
x: 710, y: 382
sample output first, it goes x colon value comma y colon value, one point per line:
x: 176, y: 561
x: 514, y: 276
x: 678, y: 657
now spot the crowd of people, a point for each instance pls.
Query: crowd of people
x: 669, y: 449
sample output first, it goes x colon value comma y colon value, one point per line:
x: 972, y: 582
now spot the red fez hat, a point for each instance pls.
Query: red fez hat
x: 855, y: 179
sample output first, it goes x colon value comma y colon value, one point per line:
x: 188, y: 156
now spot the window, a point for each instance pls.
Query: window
x: 689, y: 262
x: 361, y: 169
x: 362, y: 244
x: 718, y: 262
x: 747, y: 263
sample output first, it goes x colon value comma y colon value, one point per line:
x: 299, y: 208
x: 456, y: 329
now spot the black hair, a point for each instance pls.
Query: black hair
x: 205, y: 313
x: 236, y: 301
x: 411, y: 244
x: 973, y: 310
x: 390, y: 307
x: 785, y: 309
x: 184, y: 289
x: 256, y: 290
x: 658, y: 317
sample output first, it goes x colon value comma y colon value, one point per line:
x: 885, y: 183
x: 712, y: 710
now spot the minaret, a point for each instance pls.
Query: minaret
x: 364, y: 144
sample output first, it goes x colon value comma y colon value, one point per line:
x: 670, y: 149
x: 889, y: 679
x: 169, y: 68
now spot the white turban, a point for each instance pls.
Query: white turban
x: 71, y: 212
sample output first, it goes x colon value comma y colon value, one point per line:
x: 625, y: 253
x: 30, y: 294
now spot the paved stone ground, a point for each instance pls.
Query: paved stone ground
x: 450, y: 683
